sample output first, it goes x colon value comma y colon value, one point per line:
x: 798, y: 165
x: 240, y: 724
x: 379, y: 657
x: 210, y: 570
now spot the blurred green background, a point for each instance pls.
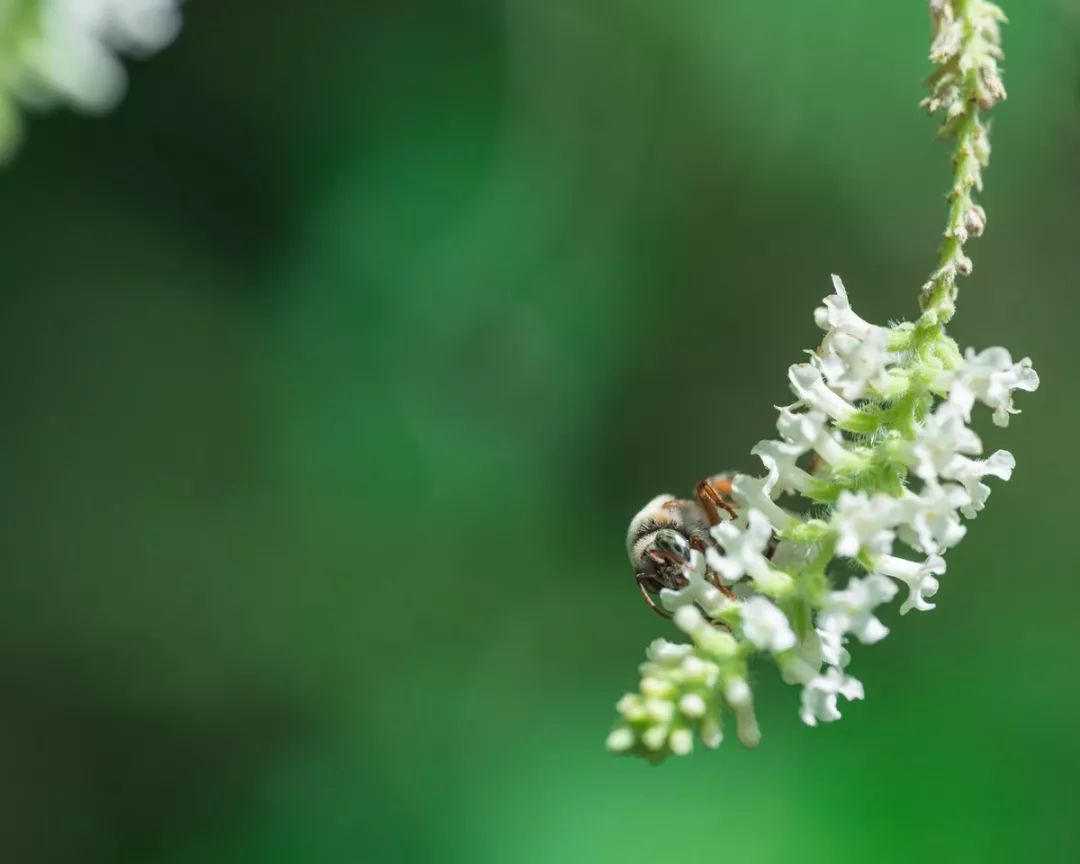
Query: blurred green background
x: 338, y: 358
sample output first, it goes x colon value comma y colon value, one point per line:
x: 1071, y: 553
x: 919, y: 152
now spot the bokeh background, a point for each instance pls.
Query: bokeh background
x: 336, y: 360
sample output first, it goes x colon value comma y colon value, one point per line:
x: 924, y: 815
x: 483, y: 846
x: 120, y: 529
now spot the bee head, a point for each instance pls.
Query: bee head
x: 660, y: 559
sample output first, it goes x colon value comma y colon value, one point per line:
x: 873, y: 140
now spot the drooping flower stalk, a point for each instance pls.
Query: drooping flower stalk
x: 878, y: 439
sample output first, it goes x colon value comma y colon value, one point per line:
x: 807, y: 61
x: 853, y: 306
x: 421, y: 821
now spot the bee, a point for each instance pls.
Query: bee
x: 666, y: 530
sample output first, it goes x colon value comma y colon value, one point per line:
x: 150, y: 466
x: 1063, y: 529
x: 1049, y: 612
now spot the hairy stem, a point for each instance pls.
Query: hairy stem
x: 966, y: 47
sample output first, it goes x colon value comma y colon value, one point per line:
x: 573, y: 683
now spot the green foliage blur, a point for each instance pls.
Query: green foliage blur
x: 337, y: 359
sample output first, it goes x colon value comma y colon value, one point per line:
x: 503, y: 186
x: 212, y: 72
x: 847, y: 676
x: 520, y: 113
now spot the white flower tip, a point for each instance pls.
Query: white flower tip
x: 711, y: 733
x: 692, y: 705
x: 620, y: 740
x: 655, y: 688
x: 916, y: 603
x: 749, y: 734
x: 874, y: 631
x: 1001, y: 464
x: 694, y: 668
x: 688, y: 618
x: 737, y: 692
x: 681, y: 742
x: 804, y: 375
x: 654, y: 737
x: 659, y: 710
x: 852, y: 689
x: 838, y: 286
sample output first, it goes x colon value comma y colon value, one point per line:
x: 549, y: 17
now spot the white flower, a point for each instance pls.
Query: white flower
x: 739, y: 698
x: 784, y: 475
x: 697, y: 589
x: 766, y: 626
x: 833, y: 651
x: 692, y: 705
x: 809, y: 386
x: 667, y: 653
x: 968, y: 472
x: 712, y: 640
x: 820, y: 695
x: 71, y: 56
x: 744, y: 550
x: 804, y: 663
x: 939, y: 439
x: 620, y: 739
x: 801, y: 428
x: 852, y: 610
x: 767, y: 551
x: 752, y: 493
x: 837, y: 314
x: 850, y: 364
x: 864, y: 523
x: 808, y: 430
x: 932, y: 523
x: 920, y: 579
x: 991, y: 377
x: 681, y: 742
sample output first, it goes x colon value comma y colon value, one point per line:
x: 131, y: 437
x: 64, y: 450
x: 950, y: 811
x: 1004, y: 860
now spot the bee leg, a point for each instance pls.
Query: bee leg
x: 645, y: 595
x: 714, y: 579
x: 714, y: 494
x: 711, y: 495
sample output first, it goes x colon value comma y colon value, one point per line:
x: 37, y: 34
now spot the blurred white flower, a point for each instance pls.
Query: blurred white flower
x: 73, y: 58
x: 833, y: 651
x: 765, y: 626
x: 68, y: 52
x: 819, y: 696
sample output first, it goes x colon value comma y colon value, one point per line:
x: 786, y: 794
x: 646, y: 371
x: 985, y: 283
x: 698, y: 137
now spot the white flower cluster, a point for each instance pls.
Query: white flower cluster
x: 66, y: 52
x: 880, y: 427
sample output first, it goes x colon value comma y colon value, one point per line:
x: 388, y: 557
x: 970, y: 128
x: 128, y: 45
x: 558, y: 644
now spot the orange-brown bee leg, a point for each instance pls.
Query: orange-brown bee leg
x: 712, y: 495
x: 649, y: 600
x: 714, y: 580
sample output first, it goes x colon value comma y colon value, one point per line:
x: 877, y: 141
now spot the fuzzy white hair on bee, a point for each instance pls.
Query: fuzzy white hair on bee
x: 659, y: 542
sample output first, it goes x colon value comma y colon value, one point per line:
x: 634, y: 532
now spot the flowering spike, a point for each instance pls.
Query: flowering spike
x: 879, y: 441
